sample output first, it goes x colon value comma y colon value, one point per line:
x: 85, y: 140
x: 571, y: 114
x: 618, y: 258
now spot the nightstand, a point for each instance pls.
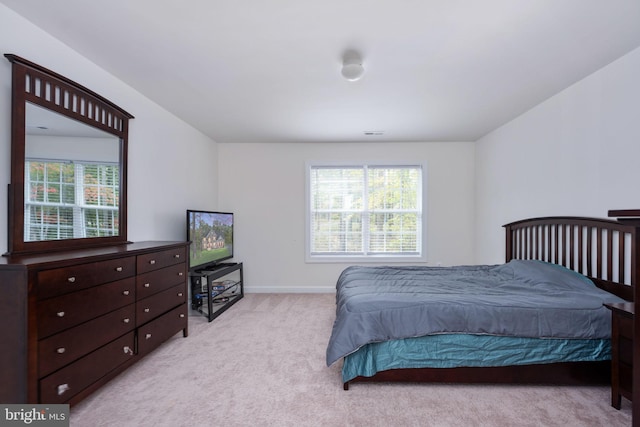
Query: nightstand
x: 621, y: 351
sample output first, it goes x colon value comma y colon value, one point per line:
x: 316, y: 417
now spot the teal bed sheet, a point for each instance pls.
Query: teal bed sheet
x: 464, y: 350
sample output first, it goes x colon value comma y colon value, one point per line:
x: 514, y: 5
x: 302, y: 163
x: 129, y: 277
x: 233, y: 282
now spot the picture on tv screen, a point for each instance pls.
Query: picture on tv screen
x: 211, y: 237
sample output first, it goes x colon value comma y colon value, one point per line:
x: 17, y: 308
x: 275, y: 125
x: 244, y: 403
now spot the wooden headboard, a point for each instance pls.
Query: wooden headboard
x: 604, y: 250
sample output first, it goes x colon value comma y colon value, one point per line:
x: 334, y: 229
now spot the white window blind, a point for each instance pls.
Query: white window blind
x: 365, y: 210
x: 70, y: 200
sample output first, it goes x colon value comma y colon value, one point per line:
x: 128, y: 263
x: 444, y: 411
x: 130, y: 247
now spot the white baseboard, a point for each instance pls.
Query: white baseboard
x: 289, y: 290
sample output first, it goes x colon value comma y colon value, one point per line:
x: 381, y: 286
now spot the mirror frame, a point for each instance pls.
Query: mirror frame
x: 37, y: 85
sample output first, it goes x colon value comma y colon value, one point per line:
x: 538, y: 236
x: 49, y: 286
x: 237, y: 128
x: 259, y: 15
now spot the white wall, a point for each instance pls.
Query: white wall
x: 575, y: 154
x: 264, y: 185
x: 171, y: 165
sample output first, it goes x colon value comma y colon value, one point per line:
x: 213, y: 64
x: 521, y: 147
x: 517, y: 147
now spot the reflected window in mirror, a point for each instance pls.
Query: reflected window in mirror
x: 67, y: 200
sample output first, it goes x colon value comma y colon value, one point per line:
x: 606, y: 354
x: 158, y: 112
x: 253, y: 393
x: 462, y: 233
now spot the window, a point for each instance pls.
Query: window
x: 67, y: 200
x: 365, y: 211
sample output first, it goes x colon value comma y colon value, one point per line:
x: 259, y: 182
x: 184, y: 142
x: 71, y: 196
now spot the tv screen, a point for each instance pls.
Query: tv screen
x: 211, y: 237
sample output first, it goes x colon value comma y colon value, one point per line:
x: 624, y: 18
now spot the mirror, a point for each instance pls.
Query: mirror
x: 68, y: 164
x: 72, y: 185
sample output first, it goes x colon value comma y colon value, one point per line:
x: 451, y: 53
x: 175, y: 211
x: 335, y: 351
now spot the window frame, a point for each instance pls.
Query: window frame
x: 421, y: 256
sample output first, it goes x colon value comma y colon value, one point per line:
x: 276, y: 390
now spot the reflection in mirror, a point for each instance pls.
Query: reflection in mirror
x: 72, y: 178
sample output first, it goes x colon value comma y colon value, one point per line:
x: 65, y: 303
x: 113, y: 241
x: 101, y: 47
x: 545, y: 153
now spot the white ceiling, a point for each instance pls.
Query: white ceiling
x: 269, y: 70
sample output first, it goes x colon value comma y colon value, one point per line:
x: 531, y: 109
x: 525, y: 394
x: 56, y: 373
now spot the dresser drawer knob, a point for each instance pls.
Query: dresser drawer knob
x: 125, y: 293
x: 60, y: 314
x: 146, y: 285
x: 181, y: 315
x: 180, y: 294
x: 62, y: 388
x: 152, y: 262
x: 126, y: 320
x: 146, y: 310
x: 61, y: 350
x: 176, y: 256
x: 71, y: 279
x: 127, y: 350
x: 180, y: 274
x: 118, y: 268
x: 147, y: 336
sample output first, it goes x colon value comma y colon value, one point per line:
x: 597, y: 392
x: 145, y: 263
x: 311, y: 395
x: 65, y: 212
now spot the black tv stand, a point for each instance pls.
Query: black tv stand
x: 213, y: 267
x: 215, y: 289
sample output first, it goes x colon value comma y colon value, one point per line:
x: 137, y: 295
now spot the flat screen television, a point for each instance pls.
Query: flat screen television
x: 211, y: 237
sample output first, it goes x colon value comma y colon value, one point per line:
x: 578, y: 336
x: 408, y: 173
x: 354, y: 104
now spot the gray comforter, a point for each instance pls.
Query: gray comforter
x: 520, y: 298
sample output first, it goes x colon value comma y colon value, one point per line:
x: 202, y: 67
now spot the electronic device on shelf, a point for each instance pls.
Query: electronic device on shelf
x: 211, y: 237
x: 213, y: 291
x: 215, y: 285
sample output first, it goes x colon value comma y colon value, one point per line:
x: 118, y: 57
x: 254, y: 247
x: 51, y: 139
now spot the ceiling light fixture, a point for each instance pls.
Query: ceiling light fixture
x: 352, y: 68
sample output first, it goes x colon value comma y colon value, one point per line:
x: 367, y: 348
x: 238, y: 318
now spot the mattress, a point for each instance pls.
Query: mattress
x: 526, y: 299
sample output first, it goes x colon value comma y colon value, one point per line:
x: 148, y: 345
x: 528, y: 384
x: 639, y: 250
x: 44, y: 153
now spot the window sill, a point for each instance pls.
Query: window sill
x: 372, y: 259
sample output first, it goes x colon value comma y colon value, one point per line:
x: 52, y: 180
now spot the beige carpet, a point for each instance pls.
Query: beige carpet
x: 262, y: 364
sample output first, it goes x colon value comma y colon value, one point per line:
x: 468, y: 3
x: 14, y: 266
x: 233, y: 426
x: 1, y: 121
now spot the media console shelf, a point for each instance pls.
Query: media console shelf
x: 215, y: 290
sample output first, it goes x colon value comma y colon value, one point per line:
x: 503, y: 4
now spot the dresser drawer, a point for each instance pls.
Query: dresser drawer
x: 63, y: 348
x: 161, y: 259
x: 161, y: 329
x: 159, y: 280
x: 155, y: 305
x: 60, y: 313
x: 60, y: 281
x: 64, y: 384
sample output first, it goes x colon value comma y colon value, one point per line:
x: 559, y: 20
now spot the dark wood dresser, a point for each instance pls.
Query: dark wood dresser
x: 73, y: 320
x: 621, y: 351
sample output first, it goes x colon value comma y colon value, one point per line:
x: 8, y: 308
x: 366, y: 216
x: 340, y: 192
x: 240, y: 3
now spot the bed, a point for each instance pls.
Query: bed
x: 537, y: 318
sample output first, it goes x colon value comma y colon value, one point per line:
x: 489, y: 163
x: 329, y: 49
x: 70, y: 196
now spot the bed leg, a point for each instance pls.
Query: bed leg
x: 345, y: 386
